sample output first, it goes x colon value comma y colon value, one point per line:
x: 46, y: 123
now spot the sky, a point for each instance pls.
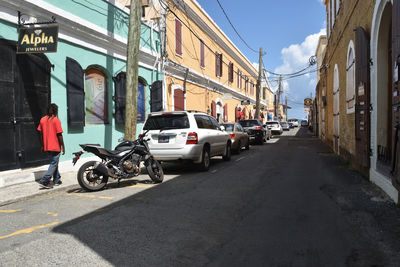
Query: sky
x: 288, y: 32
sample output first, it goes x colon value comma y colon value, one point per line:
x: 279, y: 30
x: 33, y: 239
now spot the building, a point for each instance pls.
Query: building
x: 361, y: 60
x: 320, y: 90
x: 204, y: 69
x: 85, y: 75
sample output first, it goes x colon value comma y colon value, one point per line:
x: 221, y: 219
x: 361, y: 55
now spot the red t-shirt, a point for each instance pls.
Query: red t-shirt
x: 50, y: 127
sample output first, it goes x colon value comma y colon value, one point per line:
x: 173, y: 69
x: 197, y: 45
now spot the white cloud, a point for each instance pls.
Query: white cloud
x: 296, y: 57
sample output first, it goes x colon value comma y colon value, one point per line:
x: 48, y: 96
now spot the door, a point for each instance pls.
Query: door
x: 25, y: 88
x: 179, y: 100
x: 362, y: 106
x: 396, y: 92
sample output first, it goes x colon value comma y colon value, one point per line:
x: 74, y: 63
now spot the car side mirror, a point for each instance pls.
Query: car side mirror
x: 222, y: 128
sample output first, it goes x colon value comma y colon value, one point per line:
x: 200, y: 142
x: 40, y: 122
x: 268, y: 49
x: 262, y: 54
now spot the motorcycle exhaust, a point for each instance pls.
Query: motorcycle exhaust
x: 101, y: 168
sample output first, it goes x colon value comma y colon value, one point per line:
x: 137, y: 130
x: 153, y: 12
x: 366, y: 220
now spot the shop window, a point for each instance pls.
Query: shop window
x: 95, y: 96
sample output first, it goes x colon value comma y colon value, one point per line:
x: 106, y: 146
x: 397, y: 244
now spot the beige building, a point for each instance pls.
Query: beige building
x: 362, y: 92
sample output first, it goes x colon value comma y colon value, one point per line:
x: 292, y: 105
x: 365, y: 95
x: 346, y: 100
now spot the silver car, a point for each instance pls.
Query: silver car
x: 239, y: 138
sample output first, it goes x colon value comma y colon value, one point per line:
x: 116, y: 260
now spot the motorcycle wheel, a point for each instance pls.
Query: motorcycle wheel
x: 155, y: 170
x: 89, y: 179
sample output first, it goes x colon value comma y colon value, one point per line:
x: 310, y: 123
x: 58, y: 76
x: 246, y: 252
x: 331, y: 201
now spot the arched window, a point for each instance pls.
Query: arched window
x: 95, y: 96
x: 350, y: 79
x: 336, y: 108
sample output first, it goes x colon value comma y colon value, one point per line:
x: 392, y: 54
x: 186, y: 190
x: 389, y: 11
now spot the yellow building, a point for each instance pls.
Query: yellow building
x: 204, y: 70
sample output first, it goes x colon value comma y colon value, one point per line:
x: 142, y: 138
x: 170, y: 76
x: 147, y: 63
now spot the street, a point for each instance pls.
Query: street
x: 290, y: 202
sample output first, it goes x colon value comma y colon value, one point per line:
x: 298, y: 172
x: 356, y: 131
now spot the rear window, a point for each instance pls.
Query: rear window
x: 249, y: 123
x: 272, y: 123
x: 229, y: 127
x: 165, y: 122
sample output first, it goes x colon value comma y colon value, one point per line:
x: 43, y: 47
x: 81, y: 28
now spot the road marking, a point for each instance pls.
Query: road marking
x: 9, y: 211
x: 239, y: 159
x: 273, y: 140
x: 52, y: 214
x: 214, y: 171
x: 29, y: 230
x: 88, y: 196
x: 141, y: 186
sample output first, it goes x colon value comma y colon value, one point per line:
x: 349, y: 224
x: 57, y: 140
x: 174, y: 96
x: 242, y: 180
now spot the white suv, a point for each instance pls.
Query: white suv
x: 186, y: 135
x: 275, y: 127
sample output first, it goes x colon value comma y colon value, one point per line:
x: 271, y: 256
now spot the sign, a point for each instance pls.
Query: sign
x: 245, y: 102
x: 307, y: 102
x: 227, y: 96
x: 37, y: 40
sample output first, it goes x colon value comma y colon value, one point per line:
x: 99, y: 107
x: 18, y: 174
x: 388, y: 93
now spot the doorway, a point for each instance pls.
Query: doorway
x: 25, y: 92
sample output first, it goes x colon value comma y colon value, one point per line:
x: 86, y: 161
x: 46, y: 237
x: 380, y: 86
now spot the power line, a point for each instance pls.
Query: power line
x: 233, y: 27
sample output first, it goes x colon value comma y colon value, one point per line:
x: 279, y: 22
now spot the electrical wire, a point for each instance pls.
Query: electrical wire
x: 234, y: 28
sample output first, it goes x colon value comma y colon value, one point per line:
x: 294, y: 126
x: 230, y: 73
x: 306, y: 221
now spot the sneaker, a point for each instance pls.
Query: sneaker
x: 46, y: 185
x: 58, y: 183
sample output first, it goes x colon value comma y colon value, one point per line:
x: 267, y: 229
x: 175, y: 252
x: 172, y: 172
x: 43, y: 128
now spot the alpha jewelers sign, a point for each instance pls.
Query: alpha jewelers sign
x: 37, y: 40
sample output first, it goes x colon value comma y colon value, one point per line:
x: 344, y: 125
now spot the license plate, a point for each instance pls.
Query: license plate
x: 163, y: 139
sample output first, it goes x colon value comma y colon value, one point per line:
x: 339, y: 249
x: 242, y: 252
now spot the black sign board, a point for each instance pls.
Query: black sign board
x: 37, y: 39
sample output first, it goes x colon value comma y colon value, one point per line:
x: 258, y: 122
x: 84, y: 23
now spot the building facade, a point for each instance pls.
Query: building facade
x: 85, y: 77
x: 204, y: 70
x: 363, y: 47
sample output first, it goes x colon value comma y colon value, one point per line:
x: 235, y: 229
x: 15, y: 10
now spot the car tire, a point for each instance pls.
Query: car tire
x: 247, y: 147
x: 239, y: 148
x: 205, y: 160
x: 228, y: 152
x: 261, y: 141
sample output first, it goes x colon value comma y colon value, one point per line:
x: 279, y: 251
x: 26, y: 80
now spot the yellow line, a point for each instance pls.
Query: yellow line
x: 141, y: 186
x: 29, y: 230
x: 88, y: 196
x: 9, y: 211
x: 52, y: 214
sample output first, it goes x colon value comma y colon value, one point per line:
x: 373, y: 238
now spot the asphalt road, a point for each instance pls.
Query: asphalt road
x: 290, y: 202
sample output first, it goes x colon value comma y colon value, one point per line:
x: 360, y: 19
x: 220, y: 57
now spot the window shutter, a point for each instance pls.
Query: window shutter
x: 220, y: 65
x: 216, y: 64
x: 178, y: 37
x: 75, y: 93
x: 225, y: 112
x: 120, y: 98
x: 156, y: 96
x: 202, y: 63
x: 213, y: 109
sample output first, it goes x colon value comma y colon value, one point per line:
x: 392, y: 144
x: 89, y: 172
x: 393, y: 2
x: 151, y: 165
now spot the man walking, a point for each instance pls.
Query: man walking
x: 52, y: 143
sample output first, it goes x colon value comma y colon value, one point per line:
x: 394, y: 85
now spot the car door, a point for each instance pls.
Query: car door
x: 207, y: 133
x: 221, y: 136
x: 240, y: 132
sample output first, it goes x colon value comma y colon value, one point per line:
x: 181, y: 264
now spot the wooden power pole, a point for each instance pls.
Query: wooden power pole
x: 132, y: 68
x: 258, y: 88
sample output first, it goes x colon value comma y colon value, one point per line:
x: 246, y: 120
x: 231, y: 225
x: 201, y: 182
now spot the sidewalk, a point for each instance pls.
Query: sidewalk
x: 26, y: 184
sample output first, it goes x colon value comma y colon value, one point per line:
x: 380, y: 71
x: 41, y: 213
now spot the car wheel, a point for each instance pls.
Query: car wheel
x: 239, y: 148
x: 205, y: 160
x: 247, y: 147
x: 227, y: 156
x: 261, y: 141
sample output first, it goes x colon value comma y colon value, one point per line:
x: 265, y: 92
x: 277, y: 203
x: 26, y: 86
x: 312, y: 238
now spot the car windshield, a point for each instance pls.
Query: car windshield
x: 283, y: 123
x: 165, y: 122
x: 272, y: 123
x: 249, y: 123
x: 229, y: 127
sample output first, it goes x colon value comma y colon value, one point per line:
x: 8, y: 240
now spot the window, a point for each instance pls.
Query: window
x: 336, y: 104
x: 218, y: 64
x: 251, y: 87
x: 141, y: 108
x: 350, y: 79
x: 246, y: 84
x: 230, y: 75
x: 173, y: 121
x: 178, y: 37
x: 239, y: 76
x: 95, y: 96
x: 202, y: 54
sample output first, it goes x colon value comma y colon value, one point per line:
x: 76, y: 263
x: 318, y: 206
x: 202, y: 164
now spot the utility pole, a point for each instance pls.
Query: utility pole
x: 286, y: 108
x: 279, y: 97
x: 132, y: 68
x: 258, y: 88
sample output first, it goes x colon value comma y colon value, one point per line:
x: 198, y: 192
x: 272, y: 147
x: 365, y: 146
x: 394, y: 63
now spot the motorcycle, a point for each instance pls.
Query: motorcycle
x: 121, y: 163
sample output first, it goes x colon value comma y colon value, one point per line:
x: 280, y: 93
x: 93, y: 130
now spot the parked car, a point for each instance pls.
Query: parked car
x: 304, y: 123
x: 240, y: 139
x: 186, y: 135
x: 295, y: 122
x: 268, y: 132
x: 291, y: 125
x: 285, y: 126
x: 255, y: 130
x: 275, y: 127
